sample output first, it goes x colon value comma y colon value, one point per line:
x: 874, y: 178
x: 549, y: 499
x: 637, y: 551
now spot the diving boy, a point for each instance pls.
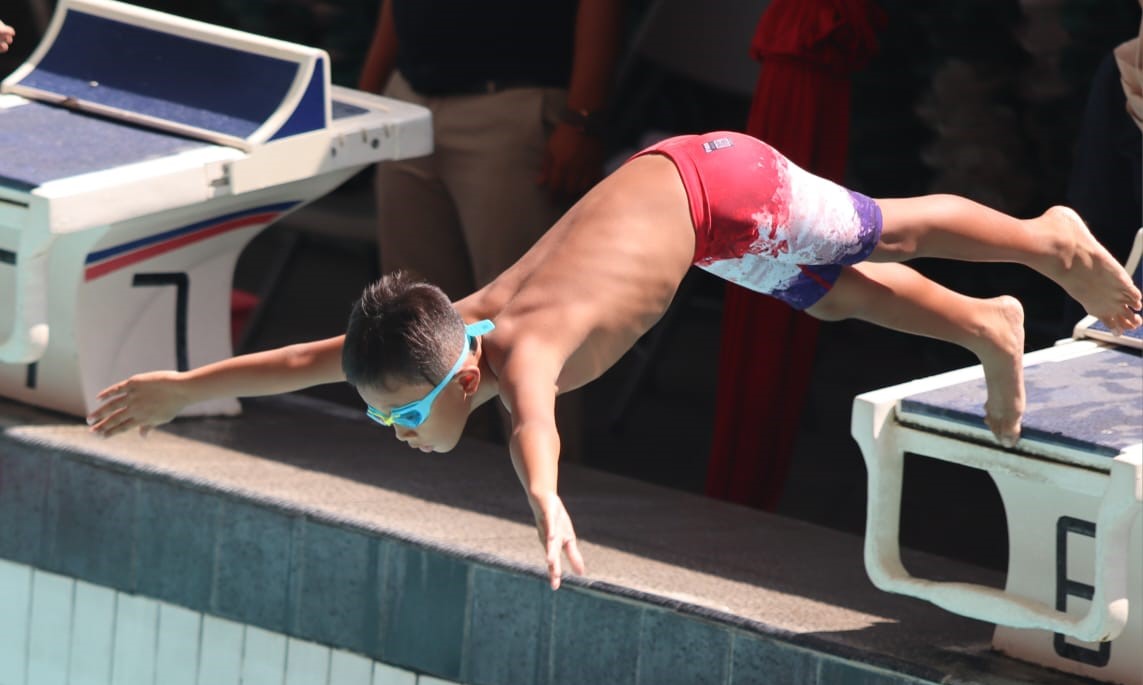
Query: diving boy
x: 604, y: 274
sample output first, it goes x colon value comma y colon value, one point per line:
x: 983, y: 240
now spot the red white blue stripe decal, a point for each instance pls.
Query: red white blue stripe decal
x: 103, y: 262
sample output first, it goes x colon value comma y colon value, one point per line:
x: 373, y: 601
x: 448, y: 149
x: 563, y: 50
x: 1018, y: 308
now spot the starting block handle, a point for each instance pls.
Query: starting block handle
x: 28, y: 337
x: 1103, y: 621
x: 1107, y: 615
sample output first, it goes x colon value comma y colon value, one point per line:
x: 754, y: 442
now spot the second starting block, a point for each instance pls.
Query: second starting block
x: 139, y: 153
x: 1072, y: 490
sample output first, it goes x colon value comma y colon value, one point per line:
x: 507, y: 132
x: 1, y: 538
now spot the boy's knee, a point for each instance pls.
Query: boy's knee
x: 830, y: 309
x: 847, y: 299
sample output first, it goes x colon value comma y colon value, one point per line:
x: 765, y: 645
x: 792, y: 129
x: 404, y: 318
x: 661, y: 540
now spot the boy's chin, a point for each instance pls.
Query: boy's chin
x: 438, y: 449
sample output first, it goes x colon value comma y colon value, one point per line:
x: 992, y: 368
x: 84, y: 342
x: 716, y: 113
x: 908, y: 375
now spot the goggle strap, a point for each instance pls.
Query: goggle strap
x: 472, y: 330
x: 479, y: 328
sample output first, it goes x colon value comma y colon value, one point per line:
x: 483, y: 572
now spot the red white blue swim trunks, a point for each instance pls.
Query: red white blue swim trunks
x: 766, y: 224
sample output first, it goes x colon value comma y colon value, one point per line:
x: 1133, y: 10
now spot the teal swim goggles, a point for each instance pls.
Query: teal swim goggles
x: 414, y: 414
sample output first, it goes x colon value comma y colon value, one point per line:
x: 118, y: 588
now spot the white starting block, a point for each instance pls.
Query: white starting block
x: 1072, y: 490
x: 139, y: 153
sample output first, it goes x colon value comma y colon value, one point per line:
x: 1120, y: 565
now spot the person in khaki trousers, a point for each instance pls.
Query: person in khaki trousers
x: 516, y: 92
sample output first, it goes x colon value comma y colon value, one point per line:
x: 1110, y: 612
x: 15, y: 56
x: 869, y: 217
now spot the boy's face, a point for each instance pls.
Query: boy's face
x: 447, y: 414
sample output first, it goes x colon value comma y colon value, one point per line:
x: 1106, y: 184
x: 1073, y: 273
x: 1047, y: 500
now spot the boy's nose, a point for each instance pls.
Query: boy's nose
x: 404, y: 432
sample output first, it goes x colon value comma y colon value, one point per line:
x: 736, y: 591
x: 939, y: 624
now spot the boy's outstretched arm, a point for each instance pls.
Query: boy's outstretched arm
x: 529, y: 392
x: 149, y: 399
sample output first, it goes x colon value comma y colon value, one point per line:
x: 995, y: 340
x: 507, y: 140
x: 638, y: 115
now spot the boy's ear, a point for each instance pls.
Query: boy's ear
x: 469, y: 379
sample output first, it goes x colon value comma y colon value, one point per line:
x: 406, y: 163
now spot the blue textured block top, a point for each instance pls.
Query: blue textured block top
x: 41, y: 143
x: 1093, y: 403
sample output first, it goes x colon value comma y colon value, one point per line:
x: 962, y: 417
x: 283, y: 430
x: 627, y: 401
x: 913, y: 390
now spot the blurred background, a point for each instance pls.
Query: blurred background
x: 983, y: 98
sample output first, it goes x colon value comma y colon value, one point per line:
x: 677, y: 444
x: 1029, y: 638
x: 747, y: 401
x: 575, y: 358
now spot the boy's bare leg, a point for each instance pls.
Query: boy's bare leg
x: 1057, y: 244
x: 897, y: 297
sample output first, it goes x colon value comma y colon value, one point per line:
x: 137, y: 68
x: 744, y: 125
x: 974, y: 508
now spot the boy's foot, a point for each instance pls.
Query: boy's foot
x: 1088, y: 272
x: 1002, y: 355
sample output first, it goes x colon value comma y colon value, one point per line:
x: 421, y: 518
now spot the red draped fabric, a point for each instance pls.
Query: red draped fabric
x: 808, y: 49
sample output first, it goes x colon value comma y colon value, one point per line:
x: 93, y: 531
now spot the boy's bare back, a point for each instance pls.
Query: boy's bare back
x: 598, y: 280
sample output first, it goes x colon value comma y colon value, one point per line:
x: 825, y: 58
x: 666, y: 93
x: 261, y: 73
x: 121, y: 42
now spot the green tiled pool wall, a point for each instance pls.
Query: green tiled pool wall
x: 442, y: 613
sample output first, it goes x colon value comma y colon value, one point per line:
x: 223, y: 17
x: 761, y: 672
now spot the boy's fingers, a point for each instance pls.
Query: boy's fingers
x: 113, y: 422
x: 109, y: 428
x: 553, y: 550
x: 104, y: 410
x: 574, y: 557
x: 117, y: 425
x: 111, y: 390
x: 554, y: 569
x: 101, y: 422
x: 554, y: 574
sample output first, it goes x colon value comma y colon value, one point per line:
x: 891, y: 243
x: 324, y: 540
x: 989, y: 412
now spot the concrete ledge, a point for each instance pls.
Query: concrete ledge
x: 305, y: 519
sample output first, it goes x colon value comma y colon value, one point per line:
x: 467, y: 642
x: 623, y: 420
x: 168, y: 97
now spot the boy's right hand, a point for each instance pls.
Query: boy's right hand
x: 142, y: 401
x: 557, y: 536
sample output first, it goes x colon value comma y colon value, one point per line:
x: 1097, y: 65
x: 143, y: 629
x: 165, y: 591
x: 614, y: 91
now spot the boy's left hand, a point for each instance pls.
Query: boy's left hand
x: 558, y: 537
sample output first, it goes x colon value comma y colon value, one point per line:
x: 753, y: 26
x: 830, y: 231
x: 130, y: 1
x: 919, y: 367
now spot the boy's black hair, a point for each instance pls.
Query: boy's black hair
x: 401, y: 330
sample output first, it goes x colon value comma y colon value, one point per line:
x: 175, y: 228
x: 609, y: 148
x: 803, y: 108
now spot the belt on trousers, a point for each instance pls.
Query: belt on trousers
x: 481, y: 87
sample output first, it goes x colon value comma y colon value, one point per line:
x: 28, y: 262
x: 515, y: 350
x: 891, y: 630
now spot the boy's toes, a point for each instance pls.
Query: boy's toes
x: 1123, y: 322
x: 1112, y: 325
x: 1007, y: 432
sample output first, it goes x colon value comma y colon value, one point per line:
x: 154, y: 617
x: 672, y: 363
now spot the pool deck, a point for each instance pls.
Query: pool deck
x: 758, y: 590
